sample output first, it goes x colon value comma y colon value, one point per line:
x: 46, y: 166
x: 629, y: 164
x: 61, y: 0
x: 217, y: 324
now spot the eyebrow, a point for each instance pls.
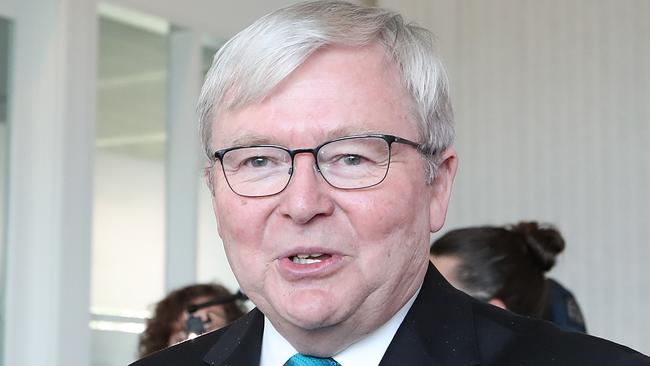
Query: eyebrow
x: 348, y: 131
x: 253, y: 139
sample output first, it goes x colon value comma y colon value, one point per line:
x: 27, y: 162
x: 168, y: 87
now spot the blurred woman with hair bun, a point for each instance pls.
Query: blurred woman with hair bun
x: 506, y: 267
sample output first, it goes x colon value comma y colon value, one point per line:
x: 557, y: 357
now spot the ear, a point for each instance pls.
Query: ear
x: 216, y: 211
x: 498, y: 303
x: 208, y: 178
x: 442, y: 189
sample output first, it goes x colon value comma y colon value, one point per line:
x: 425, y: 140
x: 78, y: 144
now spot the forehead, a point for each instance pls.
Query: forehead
x: 338, y: 91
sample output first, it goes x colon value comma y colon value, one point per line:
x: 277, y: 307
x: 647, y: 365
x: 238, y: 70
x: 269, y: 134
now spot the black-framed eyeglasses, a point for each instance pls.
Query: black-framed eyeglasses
x: 352, y: 162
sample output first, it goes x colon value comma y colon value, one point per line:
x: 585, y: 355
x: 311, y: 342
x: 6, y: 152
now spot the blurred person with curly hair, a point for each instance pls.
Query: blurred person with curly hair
x: 168, y: 325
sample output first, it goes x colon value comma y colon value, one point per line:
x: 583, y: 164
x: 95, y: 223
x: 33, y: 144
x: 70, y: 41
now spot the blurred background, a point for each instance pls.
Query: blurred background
x: 102, y: 205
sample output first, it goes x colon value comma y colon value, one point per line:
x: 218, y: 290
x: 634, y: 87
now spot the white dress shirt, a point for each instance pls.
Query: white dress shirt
x: 276, y: 350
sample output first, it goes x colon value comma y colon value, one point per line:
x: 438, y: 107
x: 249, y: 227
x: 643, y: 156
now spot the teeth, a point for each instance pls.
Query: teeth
x: 300, y: 260
x: 305, y: 256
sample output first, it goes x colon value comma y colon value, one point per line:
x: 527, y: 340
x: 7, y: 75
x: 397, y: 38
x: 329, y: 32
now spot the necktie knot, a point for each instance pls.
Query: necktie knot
x: 304, y: 360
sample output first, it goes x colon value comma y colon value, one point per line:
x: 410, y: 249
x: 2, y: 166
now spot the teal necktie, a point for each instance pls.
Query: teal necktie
x: 303, y: 360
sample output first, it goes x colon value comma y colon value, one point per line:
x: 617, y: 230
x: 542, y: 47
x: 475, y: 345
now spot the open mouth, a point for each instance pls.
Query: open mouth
x: 309, y: 258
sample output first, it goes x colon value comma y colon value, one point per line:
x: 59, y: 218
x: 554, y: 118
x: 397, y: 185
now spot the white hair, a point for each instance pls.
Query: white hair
x: 251, y: 64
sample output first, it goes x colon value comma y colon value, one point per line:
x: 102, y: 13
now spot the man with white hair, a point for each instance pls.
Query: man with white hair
x: 329, y: 131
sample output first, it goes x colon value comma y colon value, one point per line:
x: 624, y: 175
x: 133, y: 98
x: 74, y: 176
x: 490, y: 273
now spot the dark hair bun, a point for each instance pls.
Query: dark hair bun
x: 543, y: 241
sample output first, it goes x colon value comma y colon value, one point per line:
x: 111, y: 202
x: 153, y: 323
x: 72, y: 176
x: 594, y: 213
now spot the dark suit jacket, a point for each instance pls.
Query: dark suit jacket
x: 443, y: 327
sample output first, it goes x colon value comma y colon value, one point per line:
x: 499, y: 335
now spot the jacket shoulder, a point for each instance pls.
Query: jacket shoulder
x: 236, y: 344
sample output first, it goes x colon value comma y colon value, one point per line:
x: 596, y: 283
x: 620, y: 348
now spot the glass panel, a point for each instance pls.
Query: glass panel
x: 129, y: 209
x: 129, y: 197
x: 5, y: 51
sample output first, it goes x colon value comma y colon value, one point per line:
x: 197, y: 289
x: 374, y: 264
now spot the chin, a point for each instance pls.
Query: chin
x: 310, y: 324
x: 312, y: 312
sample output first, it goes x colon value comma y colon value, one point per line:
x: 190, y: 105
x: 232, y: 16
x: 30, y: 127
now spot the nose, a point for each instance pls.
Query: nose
x: 307, y: 196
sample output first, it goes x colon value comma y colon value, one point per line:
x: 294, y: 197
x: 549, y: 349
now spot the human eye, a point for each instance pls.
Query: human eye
x: 349, y: 159
x: 352, y: 153
x: 256, y: 159
x: 257, y: 162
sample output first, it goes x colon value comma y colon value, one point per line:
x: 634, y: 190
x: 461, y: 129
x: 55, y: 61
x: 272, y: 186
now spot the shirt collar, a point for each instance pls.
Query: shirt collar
x: 276, y: 350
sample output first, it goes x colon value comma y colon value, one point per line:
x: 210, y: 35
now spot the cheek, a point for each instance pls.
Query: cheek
x: 240, y: 227
x: 236, y: 218
x: 394, y: 232
x: 386, y: 216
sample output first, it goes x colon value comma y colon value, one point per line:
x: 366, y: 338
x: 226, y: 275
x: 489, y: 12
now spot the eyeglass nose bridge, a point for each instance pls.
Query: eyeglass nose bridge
x: 313, y: 152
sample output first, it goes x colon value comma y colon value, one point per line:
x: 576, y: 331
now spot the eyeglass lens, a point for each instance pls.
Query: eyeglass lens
x: 351, y: 163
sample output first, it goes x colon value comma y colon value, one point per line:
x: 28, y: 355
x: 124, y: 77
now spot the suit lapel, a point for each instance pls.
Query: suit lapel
x: 437, y: 330
x: 241, y: 344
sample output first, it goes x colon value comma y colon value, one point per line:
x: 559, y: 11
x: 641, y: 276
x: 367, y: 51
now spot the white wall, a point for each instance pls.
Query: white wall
x: 553, y: 124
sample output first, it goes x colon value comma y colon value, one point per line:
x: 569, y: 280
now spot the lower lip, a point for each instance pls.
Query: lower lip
x: 294, y: 271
